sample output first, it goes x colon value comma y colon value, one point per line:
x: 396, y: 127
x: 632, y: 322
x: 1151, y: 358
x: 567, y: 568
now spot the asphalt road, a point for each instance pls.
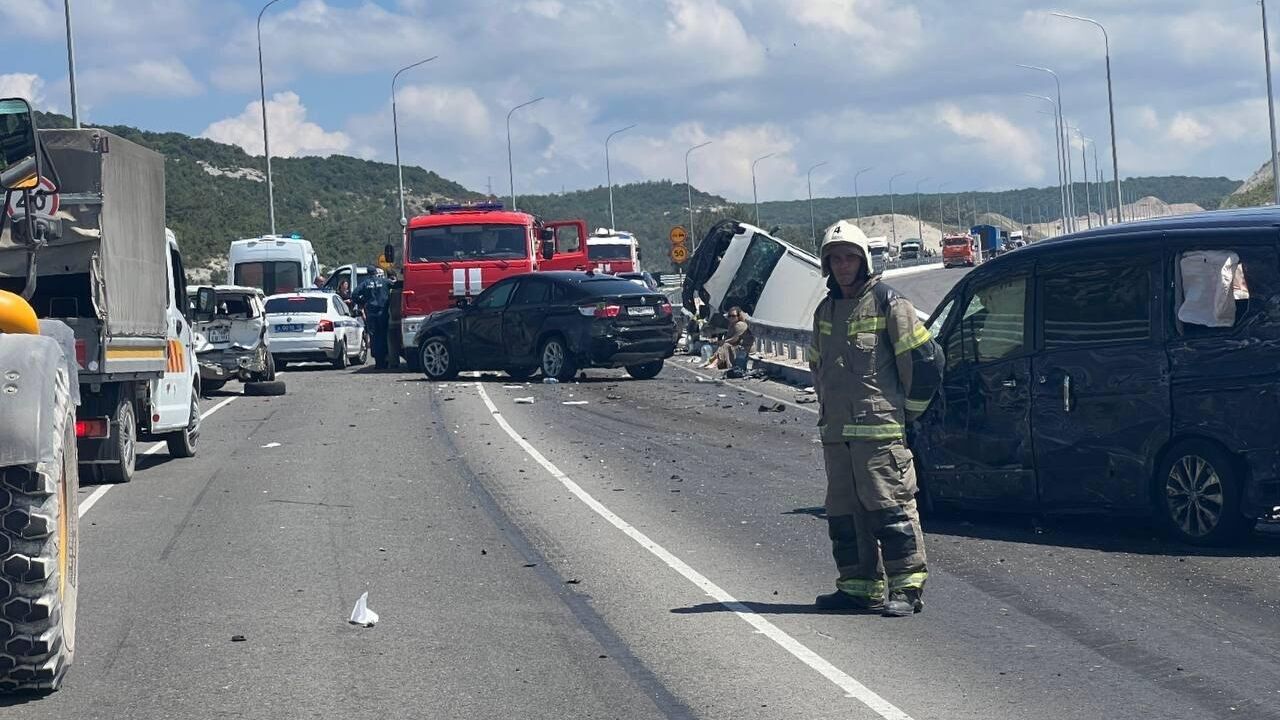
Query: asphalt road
x: 615, y: 549
x: 925, y: 288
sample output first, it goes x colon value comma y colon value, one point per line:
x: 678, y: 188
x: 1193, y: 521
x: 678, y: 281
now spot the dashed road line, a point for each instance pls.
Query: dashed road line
x: 844, y: 681
x: 96, y: 495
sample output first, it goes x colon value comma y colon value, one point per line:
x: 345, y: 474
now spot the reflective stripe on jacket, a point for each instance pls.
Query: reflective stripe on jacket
x: 874, y: 365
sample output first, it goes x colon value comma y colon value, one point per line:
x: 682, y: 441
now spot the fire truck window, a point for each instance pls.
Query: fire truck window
x: 467, y: 242
x: 567, y: 239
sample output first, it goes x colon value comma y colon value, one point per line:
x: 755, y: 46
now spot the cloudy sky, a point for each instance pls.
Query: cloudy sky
x: 925, y: 87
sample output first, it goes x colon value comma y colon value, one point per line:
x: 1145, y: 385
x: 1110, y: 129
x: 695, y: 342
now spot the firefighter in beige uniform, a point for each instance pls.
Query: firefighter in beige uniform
x: 875, y: 367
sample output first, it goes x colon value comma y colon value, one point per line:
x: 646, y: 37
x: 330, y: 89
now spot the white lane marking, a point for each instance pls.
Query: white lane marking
x: 97, y: 494
x: 845, y: 682
x: 735, y: 386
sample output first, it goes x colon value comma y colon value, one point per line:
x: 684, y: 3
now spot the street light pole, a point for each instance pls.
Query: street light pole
x: 511, y: 173
x: 689, y: 188
x: 942, y: 219
x: 919, y: 218
x: 71, y: 66
x: 1057, y: 142
x: 1111, y: 106
x: 266, y: 135
x: 1084, y: 163
x: 755, y: 198
x: 608, y: 173
x: 813, y: 228
x: 1066, y: 144
x: 395, y: 129
x: 893, y: 224
x: 1271, y: 102
x: 857, y: 200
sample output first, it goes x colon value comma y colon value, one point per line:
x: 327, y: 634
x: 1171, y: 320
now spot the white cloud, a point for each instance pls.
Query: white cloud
x: 710, y: 30
x: 34, y: 18
x: 162, y: 78
x: 549, y: 9
x: 866, y: 25
x: 292, y: 134
x: 24, y: 85
x: 724, y: 166
x: 1186, y: 130
x: 1005, y: 144
x: 444, y: 109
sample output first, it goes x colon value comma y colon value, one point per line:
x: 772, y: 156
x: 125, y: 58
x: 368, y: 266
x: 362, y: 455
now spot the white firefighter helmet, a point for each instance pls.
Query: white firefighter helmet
x: 846, y: 233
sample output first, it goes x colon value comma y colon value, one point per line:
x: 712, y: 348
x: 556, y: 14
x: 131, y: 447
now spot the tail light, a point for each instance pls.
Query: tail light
x: 93, y: 428
x: 324, y: 326
x: 600, y: 310
x: 665, y: 309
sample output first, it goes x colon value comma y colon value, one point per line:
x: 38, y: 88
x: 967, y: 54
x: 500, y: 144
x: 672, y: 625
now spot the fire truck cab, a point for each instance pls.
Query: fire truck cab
x: 613, y: 251
x: 455, y: 251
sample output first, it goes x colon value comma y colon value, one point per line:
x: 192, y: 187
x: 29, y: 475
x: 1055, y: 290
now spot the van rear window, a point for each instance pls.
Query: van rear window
x: 297, y: 304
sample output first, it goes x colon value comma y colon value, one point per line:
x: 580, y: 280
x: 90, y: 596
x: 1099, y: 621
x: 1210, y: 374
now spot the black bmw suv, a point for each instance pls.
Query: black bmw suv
x: 553, y: 322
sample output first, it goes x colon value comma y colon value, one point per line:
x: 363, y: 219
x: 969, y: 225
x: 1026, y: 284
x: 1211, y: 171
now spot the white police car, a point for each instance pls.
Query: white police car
x: 314, y: 326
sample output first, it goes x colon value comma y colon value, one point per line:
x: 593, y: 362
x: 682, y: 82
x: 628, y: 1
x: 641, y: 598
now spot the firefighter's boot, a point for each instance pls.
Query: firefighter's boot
x: 903, y: 603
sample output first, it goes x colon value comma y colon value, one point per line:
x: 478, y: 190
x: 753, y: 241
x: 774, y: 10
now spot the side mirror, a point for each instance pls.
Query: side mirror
x: 547, y: 235
x: 548, y: 249
x: 462, y: 302
x: 389, y: 253
x: 19, y: 154
x: 206, y: 302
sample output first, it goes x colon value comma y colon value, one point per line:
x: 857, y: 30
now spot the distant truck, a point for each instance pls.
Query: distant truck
x: 613, y: 251
x: 882, y: 252
x: 273, y: 263
x: 957, y: 251
x: 990, y: 239
x: 911, y: 249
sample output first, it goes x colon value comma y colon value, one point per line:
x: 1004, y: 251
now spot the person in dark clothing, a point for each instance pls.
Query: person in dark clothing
x: 373, y: 297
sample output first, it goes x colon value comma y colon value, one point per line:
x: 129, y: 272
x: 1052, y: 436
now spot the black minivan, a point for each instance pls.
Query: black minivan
x: 1131, y: 369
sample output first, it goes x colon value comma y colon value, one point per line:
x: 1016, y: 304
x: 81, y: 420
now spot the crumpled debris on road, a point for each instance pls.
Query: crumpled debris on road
x: 523, y: 401
x: 361, y: 614
x: 574, y: 402
x: 271, y: 445
x: 513, y: 387
x: 775, y: 407
x: 806, y: 399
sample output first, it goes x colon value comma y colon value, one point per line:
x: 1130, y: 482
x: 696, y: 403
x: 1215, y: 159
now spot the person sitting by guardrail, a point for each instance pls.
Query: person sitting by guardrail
x: 733, y: 352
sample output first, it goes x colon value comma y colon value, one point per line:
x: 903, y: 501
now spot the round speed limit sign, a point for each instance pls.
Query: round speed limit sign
x: 44, y: 202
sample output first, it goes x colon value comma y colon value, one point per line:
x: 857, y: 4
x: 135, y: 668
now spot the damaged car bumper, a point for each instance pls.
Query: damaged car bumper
x: 231, y: 364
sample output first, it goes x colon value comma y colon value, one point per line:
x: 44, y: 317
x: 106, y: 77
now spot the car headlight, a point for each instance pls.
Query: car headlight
x: 200, y: 342
x: 411, y: 326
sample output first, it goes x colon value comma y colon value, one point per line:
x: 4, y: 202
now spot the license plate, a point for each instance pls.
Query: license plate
x: 641, y: 311
x: 289, y: 328
x: 219, y: 335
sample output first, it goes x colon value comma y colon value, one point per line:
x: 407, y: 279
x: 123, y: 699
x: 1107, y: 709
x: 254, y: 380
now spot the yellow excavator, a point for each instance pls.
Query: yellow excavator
x: 39, y: 476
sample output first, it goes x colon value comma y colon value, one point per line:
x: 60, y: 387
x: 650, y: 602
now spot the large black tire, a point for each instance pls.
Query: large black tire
x: 341, y: 361
x: 437, y: 359
x: 521, y: 373
x: 208, y: 387
x: 125, y: 436
x: 646, y: 371
x: 272, y: 388
x: 363, y: 357
x: 182, y: 444
x: 40, y: 537
x: 556, y: 359
x: 1197, y: 493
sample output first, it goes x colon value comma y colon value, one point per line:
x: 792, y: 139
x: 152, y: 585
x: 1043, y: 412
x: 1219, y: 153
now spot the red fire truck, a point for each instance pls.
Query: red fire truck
x: 455, y: 251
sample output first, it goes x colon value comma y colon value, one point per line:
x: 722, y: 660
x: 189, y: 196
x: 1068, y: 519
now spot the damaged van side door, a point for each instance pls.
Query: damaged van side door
x: 1101, y: 389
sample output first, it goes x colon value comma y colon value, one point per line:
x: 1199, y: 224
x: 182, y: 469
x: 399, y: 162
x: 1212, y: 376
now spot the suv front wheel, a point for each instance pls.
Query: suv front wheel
x: 436, y: 359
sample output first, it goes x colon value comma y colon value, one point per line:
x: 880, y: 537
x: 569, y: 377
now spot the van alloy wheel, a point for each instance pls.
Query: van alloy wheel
x: 1193, y: 491
x: 437, y: 359
x: 552, y: 359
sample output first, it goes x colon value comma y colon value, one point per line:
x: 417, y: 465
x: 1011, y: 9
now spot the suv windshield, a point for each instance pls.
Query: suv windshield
x: 468, y: 242
x: 272, y: 276
x: 609, y: 252
x: 297, y: 304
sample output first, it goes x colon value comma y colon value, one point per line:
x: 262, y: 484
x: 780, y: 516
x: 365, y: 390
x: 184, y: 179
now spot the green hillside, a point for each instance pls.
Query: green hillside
x: 348, y: 207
